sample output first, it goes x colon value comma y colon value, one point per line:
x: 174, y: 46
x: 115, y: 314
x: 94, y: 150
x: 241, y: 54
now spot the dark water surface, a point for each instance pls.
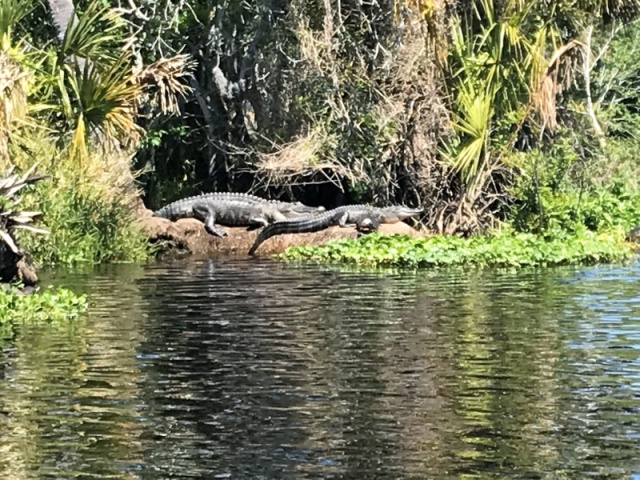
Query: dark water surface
x: 242, y: 370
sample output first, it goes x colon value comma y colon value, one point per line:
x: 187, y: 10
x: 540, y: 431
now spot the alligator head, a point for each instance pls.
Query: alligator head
x: 397, y: 213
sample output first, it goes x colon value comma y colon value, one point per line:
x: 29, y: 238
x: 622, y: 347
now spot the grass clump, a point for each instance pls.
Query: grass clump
x: 88, y: 208
x: 51, y: 304
x: 84, y: 227
x: 504, y: 249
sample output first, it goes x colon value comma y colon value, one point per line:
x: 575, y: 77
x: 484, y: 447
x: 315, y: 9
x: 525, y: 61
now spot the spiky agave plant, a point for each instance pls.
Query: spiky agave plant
x: 11, y: 218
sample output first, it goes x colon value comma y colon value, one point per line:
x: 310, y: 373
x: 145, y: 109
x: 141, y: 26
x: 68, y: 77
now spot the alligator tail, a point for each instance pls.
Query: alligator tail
x: 175, y: 210
x: 164, y: 212
x: 312, y: 223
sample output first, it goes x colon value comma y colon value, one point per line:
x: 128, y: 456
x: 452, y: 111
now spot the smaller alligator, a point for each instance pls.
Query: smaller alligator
x: 233, y: 210
x: 366, y: 218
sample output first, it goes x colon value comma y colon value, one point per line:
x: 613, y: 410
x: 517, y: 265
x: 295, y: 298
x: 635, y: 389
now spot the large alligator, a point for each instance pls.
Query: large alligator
x: 233, y: 210
x: 364, y: 217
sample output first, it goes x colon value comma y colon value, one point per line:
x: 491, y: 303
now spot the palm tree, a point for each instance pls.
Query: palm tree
x: 96, y: 86
x: 507, y: 61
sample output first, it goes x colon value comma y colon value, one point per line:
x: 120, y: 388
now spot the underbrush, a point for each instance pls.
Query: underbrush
x: 51, y: 305
x: 84, y: 226
x: 87, y: 208
x: 506, y: 248
x: 571, y: 211
x: 564, y: 189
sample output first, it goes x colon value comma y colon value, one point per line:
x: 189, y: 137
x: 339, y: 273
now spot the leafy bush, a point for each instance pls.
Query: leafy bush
x: 574, y: 211
x: 504, y: 249
x: 87, y: 209
x: 560, y: 190
x: 84, y: 226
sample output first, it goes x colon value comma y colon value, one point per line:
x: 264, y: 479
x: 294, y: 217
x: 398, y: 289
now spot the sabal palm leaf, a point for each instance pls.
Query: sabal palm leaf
x: 105, y: 102
x: 167, y: 79
x: 11, y: 12
x: 472, y: 121
x: 10, y: 217
x: 493, y: 57
x: 92, y: 35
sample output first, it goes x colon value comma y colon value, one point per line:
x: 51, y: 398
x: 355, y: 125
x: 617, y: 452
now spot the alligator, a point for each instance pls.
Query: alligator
x: 233, y: 210
x: 366, y: 218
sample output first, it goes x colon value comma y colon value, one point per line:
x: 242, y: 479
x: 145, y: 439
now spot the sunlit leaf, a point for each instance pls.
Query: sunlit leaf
x: 93, y: 35
x: 12, y: 12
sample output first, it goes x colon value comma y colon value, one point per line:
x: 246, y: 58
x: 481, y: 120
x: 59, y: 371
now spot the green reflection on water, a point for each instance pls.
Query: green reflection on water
x: 325, y: 373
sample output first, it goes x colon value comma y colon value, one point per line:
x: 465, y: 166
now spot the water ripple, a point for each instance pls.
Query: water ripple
x: 244, y: 369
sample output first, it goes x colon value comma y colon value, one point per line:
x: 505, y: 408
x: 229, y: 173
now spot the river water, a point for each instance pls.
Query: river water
x: 247, y: 369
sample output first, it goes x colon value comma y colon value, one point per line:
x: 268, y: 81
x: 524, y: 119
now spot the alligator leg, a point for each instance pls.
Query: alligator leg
x: 208, y: 216
x: 212, y: 229
x: 342, y: 221
x: 257, y: 222
x: 367, y: 225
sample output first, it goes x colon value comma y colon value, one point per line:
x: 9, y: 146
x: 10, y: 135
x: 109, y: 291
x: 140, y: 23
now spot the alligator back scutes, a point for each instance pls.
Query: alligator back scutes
x: 184, y: 207
x: 226, y: 195
x: 235, y: 197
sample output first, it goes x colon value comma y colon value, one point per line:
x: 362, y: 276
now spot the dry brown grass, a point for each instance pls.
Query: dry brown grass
x: 294, y: 162
x: 413, y: 104
x: 164, y: 82
x: 409, y: 116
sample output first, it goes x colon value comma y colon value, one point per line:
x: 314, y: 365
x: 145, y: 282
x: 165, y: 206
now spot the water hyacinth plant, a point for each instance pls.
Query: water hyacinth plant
x: 503, y: 249
x: 48, y: 305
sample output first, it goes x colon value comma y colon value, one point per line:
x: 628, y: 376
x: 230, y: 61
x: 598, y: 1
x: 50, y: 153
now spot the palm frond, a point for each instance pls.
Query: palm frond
x: 472, y: 121
x: 165, y: 78
x: 12, y: 12
x: 10, y: 217
x: 105, y: 103
x: 93, y: 35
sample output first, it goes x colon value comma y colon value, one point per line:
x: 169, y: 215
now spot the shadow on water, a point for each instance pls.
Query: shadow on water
x: 243, y: 369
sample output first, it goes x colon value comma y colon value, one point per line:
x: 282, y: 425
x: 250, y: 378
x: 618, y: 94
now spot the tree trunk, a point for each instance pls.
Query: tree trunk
x: 62, y: 12
x: 587, y: 81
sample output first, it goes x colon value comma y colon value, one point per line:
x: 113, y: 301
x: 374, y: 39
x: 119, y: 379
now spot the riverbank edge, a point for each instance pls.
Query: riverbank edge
x: 187, y: 236
x: 397, y: 245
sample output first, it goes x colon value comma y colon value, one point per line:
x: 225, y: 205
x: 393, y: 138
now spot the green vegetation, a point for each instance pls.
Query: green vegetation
x: 84, y: 227
x: 89, y: 215
x: 69, y: 105
x: 50, y: 305
x: 503, y: 249
x: 484, y: 112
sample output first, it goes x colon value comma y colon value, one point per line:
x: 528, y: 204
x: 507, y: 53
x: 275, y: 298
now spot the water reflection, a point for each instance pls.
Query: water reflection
x: 238, y: 369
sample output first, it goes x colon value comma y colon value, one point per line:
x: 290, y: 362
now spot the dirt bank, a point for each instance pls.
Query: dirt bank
x: 187, y: 236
